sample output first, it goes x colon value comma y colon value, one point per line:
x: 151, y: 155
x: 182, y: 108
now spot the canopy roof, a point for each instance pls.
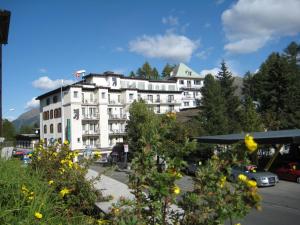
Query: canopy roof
x: 268, y: 137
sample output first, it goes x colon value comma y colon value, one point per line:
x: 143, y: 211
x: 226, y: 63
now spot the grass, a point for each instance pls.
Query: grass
x: 23, y: 194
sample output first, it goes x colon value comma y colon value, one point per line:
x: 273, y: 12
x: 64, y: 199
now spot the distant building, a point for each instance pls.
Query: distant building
x: 27, y: 141
x: 96, y: 109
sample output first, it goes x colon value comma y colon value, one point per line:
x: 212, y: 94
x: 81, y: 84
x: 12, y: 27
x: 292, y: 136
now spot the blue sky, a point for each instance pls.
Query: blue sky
x: 50, y: 40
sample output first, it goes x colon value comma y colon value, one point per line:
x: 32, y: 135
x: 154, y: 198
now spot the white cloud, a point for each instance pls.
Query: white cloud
x: 204, y: 53
x: 33, y: 103
x: 43, y: 70
x: 10, y: 118
x: 119, y: 49
x: 45, y: 83
x: 219, y: 2
x: 172, y: 47
x: 170, y: 20
x: 213, y: 71
x: 250, y: 24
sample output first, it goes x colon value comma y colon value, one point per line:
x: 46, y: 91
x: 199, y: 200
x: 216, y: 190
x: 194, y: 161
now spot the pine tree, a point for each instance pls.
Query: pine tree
x: 213, y: 110
x: 154, y: 74
x: 167, y: 70
x: 232, y: 102
x: 132, y: 74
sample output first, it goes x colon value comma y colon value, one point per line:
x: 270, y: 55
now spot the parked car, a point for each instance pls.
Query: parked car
x: 262, y: 178
x: 289, y: 171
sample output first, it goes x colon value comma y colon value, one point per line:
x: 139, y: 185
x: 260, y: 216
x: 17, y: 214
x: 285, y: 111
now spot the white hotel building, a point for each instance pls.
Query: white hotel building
x: 94, y: 111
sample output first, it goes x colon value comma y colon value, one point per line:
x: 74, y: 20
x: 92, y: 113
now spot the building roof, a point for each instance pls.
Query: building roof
x: 268, y: 137
x: 183, y: 71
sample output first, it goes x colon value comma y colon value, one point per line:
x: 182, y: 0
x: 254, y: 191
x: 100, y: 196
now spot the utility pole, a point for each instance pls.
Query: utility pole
x: 4, y: 28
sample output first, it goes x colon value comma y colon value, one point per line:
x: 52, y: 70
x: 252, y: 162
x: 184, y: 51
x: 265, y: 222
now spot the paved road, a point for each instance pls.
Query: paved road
x: 280, y: 204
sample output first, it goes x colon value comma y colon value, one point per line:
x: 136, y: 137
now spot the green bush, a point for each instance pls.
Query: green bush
x: 25, y: 197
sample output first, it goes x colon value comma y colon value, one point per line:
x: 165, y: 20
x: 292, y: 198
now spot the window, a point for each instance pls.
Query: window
x: 51, y: 114
x: 150, y: 98
x: 119, y: 98
x: 46, y: 115
x: 59, y: 112
x: 131, y: 96
x: 59, y: 128
x: 149, y: 86
x: 48, y: 101
x: 157, y: 98
x: 103, y: 95
x: 51, y: 128
x: 158, y: 109
x: 188, y: 83
x: 83, y: 111
x: 82, y: 97
x: 188, y: 73
x: 181, y: 81
x: 78, y: 140
x: 75, y: 94
x: 171, y: 108
x: 170, y: 98
x: 45, y: 129
x: 54, y: 99
x: 91, y: 97
x: 186, y: 103
x: 197, y: 82
x: 114, y: 81
x: 185, y: 93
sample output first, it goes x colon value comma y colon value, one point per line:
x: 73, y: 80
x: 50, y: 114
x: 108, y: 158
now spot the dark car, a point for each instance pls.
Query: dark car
x: 289, y: 171
x: 262, y: 178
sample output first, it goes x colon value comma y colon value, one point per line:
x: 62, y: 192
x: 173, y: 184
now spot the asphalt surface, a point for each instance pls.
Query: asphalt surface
x: 280, y: 204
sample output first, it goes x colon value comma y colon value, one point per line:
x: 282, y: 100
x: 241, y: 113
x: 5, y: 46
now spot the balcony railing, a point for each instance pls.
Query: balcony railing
x: 90, y: 116
x: 117, y: 116
x: 90, y: 132
x: 88, y: 102
x: 112, y: 102
x: 117, y: 132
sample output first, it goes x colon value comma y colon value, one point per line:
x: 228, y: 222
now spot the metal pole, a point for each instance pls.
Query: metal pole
x: 1, y: 91
x: 62, y: 112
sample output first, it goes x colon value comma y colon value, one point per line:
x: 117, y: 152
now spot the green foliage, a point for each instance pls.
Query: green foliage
x: 26, y: 129
x: 9, y: 131
x: 213, y: 109
x: 159, y: 144
x: 147, y: 72
x: 232, y: 102
x: 23, y: 193
x: 132, y: 74
x: 215, y: 200
x: 167, y: 70
x: 60, y: 168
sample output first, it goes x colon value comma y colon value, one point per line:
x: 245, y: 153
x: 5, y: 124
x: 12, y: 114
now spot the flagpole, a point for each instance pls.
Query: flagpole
x: 62, y: 113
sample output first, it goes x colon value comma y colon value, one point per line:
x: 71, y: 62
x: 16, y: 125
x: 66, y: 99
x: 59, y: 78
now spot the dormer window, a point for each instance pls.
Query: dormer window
x: 188, y: 73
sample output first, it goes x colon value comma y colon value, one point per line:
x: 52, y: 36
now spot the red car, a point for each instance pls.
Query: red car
x: 289, y: 171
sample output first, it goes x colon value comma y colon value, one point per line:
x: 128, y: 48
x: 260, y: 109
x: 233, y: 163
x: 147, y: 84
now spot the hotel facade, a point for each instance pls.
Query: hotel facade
x: 92, y: 114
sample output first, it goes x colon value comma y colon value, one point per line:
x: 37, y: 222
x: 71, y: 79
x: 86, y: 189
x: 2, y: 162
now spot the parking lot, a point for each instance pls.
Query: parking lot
x: 280, y: 204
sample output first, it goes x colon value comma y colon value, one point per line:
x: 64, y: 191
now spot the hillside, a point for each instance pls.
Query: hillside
x: 28, y: 118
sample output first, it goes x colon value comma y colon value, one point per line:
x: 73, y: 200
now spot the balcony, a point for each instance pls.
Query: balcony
x: 170, y: 102
x: 115, y: 103
x: 90, y: 133
x: 188, y: 97
x: 117, y: 132
x: 117, y: 116
x: 90, y: 117
x: 87, y: 102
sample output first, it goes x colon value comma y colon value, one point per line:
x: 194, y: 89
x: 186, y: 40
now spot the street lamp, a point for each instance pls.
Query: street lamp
x: 4, y: 28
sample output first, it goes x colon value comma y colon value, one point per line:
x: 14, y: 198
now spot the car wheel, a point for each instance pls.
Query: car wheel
x: 298, y: 180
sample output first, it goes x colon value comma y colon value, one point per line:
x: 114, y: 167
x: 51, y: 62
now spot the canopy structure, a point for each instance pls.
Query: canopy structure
x: 268, y: 137
x: 279, y: 137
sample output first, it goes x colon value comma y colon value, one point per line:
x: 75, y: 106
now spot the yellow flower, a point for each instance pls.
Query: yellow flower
x: 61, y: 170
x: 39, y: 158
x: 66, y: 142
x: 38, y: 215
x: 242, y: 177
x: 102, y: 222
x: 55, y: 154
x: 30, y: 155
x: 176, y: 190
x: 115, y: 211
x: 50, y: 182
x: 70, y: 164
x: 97, y: 154
x: 251, y: 183
x: 222, y: 181
x: 24, y: 189
x: 64, y: 192
x: 31, y: 197
x: 250, y: 143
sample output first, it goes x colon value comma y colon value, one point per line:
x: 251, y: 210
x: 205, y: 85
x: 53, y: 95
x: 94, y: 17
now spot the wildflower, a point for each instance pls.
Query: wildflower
x: 24, y: 189
x: 50, y: 182
x: 39, y: 158
x: 102, y: 222
x: 38, y: 215
x: 64, y: 192
x: 30, y: 155
x: 115, y: 211
x: 30, y: 197
x: 250, y: 143
x: 222, y: 181
x: 242, y: 177
x: 97, y: 154
x: 251, y: 183
x: 54, y: 154
x: 176, y: 190
x: 70, y: 163
x: 66, y: 142
x: 61, y: 170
